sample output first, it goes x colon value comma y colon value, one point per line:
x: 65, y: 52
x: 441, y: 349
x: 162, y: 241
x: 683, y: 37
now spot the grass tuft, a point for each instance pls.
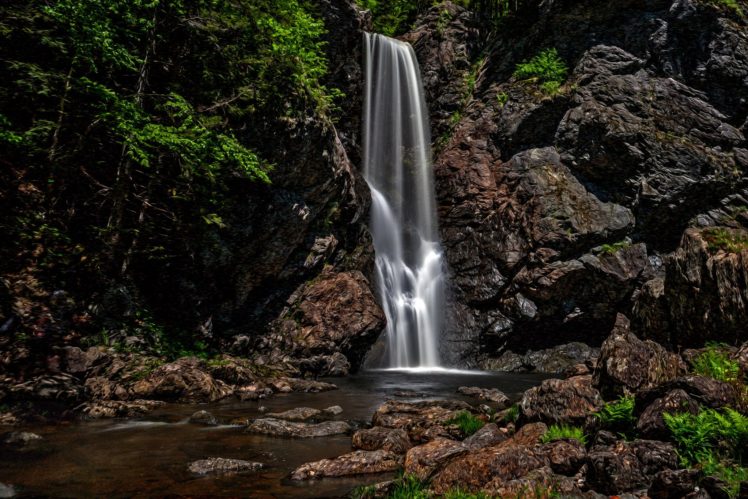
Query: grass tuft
x: 466, y: 422
x: 564, y: 432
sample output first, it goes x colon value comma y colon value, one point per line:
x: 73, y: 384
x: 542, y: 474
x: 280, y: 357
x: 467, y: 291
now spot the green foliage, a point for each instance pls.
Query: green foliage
x: 561, y: 432
x: 732, y: 5
x: 409, y: 487
x: 502, y: 98
x: 610, y: 249
x: 466, y: 422
x: 364, y: 492
x: 729, y: 240
x: 510, y: 415
x: 696, y: 436
x: 546, y: 68
x: 618, y: 416
x: 715, y: 363
x: 730, y: 473
x: 460, y: 494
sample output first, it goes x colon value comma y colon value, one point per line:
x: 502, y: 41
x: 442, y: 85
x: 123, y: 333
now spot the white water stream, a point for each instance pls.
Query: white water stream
x: 397, y: 167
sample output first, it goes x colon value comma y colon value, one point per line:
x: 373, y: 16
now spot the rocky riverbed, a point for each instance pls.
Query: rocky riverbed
x: 502, y: 435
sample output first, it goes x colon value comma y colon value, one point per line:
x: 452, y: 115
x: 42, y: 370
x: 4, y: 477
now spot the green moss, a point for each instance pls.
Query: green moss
x: 723, y: 239
x: 563, y: 432
x: 610, y: 249
x: 466, y: 422
x: 510, y: 415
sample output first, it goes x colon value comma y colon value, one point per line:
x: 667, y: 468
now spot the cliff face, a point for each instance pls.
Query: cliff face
x: 556, y: 210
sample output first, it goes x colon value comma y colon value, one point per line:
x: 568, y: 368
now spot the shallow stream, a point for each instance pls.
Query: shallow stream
x: 149, y: 457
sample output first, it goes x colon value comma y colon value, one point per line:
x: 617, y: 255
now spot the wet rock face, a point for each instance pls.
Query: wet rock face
x: 493, y: 395
x: 335, y: 314
x: 627, y: 364
x: 528, y: 186
x: 356, y: 463
x: 568, y: 401
x: 651, y: 423
x: 703, y: 295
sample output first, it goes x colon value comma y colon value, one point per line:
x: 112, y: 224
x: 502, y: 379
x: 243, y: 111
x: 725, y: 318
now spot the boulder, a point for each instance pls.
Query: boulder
x: 203, y: 418
x: 628, y: 364
x: 673, y: 484
x: 21, y: 439
x: 355, y: 463
x: 423, y: 460
x: 566, y: 457
x: 704, y: 390
x: 333, y: 410
x: 628, y: 466
x: 297, y: 414
x: 280, y: 428
x: 392, y: 440
x: 505, y: 461
x: 651, y: 424
x: 487, y: 394
x: 219, y: 465
x: 337, y: 312
x: 488, y: 435
x: 568, y: 401
x: 422, y: 420
x: 541, y: 482
x: 118, y: 408
x: 184, y: 380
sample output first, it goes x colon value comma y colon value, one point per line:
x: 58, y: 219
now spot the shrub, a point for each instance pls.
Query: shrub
x: 618, y: 416
x: 547, y: 68
x: 562, y: 432
x: 502, y: 98
x: 466, y: 422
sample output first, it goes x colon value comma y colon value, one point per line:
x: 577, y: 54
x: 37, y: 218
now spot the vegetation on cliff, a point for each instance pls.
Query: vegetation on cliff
x: 130, y: 131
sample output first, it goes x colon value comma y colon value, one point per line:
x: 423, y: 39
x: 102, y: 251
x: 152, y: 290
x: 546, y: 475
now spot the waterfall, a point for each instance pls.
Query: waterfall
x: 397, y: 167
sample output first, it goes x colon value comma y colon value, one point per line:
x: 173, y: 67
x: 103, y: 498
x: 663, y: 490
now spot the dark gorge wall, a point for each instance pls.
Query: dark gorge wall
x: 559, y: 211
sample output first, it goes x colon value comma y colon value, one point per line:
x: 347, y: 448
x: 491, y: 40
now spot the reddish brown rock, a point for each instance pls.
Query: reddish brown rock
x: 628, y: 364
x: 423, y: 460
x: 393, y: 440
x: 423, y: 420
x: 568, y: 401
x: 297, y: 414
x: 335, y: 313
x: 474, y: 471
x: 184, y: 380
x: 488, y: 435
x: 566, y: 456
x: 505, y: 461
x: 706, y: 391
x: 673, y: 484
x: 356, y: 463
x: 540, y: 483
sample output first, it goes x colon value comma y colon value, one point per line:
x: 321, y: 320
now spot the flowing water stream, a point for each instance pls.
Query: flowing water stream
x: 397, y: 167
x: 149, y: 457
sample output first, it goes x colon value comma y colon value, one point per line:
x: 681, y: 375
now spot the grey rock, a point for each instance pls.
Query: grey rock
x: 219, y: 465
x: 280, y: 428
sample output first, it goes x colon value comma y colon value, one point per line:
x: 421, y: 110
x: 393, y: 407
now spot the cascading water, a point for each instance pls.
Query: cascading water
x: 397, y: 167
